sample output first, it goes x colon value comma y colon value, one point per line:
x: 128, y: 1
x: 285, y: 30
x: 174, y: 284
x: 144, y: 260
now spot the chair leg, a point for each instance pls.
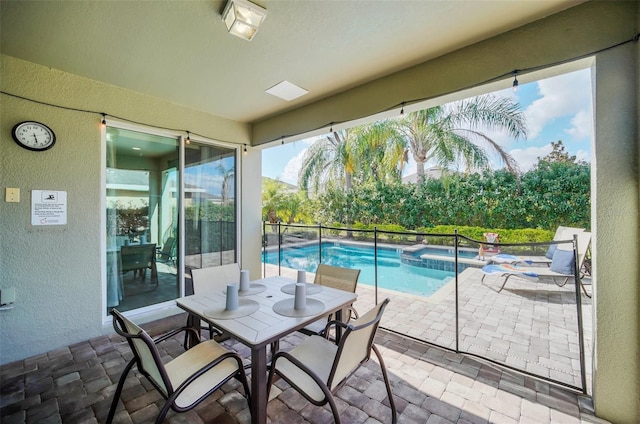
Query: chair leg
x: 164, y: 410
x: 116, y: 395
x: 394, y: 413
x: 334, y: 409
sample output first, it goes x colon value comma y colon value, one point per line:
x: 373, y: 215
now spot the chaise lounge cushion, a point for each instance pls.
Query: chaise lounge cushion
x: 563, y: 262
x: 551, y: 251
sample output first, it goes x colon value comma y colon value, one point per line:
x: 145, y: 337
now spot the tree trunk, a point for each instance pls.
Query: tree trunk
x: 347, y: 184
x: 420, y: 171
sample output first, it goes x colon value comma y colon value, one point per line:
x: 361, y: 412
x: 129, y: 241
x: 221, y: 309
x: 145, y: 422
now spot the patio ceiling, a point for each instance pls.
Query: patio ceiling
x: 180, y: 51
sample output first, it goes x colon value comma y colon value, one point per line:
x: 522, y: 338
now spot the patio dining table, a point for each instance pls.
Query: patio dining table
x: 267, y: 318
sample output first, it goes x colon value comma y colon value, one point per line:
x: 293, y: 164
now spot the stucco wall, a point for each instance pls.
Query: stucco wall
x: 615, y: 245
x: 56, y: 271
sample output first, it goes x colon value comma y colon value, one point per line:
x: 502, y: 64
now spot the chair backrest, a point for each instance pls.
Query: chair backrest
x: 167, y: 248
x: 144, y: 350
x: 337, y: 277
x: 355, y: 344
x: 214, y: 278
x: 566, y: 233
x: 136, y: 257
x: 584, y: 240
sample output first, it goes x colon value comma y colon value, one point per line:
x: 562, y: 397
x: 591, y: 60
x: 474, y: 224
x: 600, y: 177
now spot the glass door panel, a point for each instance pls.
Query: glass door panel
x: 209, y: 207
x: 142, y: 219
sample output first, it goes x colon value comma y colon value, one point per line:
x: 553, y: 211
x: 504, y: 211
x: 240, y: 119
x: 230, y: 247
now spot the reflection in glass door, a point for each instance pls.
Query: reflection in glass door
x: 209, y: 207
x: 141, y: 219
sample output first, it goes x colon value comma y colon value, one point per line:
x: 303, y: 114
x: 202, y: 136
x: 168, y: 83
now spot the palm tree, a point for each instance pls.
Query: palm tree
x: 382, y: 151
x: 329, y: 159
x: 272, y: 199
x: 227, y: 180
x: 370, y: 152
x: 449, y: 134
x: 295, y: 207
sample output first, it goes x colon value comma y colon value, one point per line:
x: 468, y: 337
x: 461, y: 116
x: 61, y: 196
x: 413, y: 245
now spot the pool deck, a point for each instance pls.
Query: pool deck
x: 530, y: 326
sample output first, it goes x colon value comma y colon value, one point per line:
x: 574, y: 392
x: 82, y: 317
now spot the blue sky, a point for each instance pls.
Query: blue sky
x: 557, y: 108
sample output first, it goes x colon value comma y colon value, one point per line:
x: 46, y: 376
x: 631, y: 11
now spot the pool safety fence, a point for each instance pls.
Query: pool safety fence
x: 449, y: 253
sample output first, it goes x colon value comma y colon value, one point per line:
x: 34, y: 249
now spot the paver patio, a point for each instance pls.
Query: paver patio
x: 431, y: 385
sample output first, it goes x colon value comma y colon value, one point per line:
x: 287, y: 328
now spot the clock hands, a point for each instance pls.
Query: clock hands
x: 35, y: 137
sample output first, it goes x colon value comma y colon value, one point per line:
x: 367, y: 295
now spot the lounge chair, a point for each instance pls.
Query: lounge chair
x: 562, y: 233
x: 561, y: 269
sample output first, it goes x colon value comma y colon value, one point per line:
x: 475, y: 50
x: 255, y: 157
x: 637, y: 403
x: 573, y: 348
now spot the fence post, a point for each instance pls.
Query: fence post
x: 576, y: 265
x: 319, y: 243
x: 455, y: 252
x: 375, y: 262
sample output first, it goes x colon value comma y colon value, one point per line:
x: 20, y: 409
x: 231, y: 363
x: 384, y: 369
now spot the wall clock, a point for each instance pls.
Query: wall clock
x: 33, y: 136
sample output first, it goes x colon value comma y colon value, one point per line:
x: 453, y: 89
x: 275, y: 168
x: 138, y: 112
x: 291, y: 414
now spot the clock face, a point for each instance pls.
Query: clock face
x: 33, y: 136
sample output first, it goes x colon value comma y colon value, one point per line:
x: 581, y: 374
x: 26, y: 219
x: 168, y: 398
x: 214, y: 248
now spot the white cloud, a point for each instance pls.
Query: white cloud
x: 528, y: 157
x: 581, y: 125
x: 563, y: 95
x: 583, y: 155
x: 292, y: 168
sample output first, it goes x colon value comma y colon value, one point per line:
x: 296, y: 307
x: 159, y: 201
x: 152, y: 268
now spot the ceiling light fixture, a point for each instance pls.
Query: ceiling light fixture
x: 515, y: 81
x: 286, y: 91
x: 243, y: 18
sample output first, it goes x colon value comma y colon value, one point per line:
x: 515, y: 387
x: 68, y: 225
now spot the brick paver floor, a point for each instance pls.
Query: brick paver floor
x: 523, y: 325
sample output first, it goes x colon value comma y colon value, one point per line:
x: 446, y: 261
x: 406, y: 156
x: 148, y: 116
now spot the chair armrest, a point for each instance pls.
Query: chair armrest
x: 330, y: 324
x: 353, y: 313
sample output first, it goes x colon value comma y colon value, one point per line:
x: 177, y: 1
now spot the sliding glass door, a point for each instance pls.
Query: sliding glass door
x: 209, y: 207
x: 146, y: 256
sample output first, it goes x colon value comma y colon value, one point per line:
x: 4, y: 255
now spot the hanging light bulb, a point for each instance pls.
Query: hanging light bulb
x: 104, y: 120
x: 402, y: 109
x: 331, y: 127
x: 515, y: 81
x: 244, y: 152
x: 282, y: 142
x: 188, y: 140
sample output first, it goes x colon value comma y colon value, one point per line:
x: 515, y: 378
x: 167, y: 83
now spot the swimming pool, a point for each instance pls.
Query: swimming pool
x: 392, y: 272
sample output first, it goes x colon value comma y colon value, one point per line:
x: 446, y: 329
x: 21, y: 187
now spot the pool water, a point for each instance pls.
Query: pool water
x: 392, y: 273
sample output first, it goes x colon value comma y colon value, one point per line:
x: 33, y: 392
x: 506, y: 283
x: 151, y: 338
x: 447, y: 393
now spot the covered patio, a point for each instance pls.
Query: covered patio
x: 430, y: 384
x: 172, y: 70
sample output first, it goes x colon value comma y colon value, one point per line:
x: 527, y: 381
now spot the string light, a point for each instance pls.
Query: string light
x: 331, y: 127
x: 245, y: 150
x: 402, y: 109
x: 188, y: 140
x: 500, y: 77
x: 104, y: 120
x: 282, y: 142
